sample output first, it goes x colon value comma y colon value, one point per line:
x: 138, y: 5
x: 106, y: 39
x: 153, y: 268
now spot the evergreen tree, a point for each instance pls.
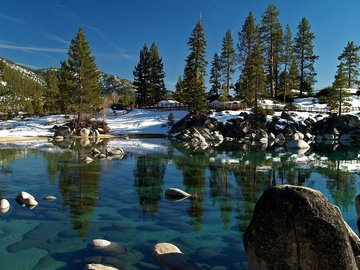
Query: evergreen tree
x: 82, y: 78
x: 247, y: 38
x: 252, y: 83
x: 142, y: 78
x: 351, y: 60
x: 227, y: 61
x: 287, y: 58
x: 157, y: 75
x: 195, y: 72
x: 305, y: 56
x: 51, y: 103
x: 272, y: 33
x: 66, y: 88
x: 179, y: 90
x: 215, y: 76
x: 340, y: 96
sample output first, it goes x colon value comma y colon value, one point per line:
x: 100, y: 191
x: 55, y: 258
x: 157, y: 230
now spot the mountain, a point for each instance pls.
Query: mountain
x: 108, y: 82
x: 18, y: 72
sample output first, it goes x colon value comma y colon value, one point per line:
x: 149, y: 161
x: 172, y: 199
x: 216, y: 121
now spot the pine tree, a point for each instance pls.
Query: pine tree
x: 195, y: 72
x: 252, y: 83
x: 157, y: 75
x: 82, y: 79
x: 340, y: 96
x: 52, y: 92
x: 215, y: 76
x: 271, y: 31
x: 227, y: 61
x: 350, y: 58
x: 287, y: 59
x: 305, y: 56
x: 142, y: 78
x: 247, y: 40
x: 179, y: 90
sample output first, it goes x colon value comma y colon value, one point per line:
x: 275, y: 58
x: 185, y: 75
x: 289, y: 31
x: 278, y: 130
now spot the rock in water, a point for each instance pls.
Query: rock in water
x: 100, y: 243
x: 176, y: 193
x: 4, y: 205
x: 298, y: 144
x: 97, y: 266
x: 172, y: 257
x: 298, y: 228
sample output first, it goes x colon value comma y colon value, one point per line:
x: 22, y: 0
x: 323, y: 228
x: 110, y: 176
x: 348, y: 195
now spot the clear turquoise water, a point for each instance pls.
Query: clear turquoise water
x: 123, y: 200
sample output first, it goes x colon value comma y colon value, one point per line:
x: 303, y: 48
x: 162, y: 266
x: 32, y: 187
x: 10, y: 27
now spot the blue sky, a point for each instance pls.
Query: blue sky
x: 37, y: 33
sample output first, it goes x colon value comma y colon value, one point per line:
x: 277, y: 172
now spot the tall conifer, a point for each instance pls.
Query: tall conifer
x: 271, y: 31
x: 227, y: 58
x: 350, y: 58
x: 195, y: 71
x: 304, y: 49
x: 82, y: 77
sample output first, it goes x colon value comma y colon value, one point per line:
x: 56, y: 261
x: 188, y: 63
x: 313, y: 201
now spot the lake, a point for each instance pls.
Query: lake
x: 122, y: 200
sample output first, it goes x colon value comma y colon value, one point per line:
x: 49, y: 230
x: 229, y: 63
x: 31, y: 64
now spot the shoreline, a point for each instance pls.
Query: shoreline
x: 102, y: 136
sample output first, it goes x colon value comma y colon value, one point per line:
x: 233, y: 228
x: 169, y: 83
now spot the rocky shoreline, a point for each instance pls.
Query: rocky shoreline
x: 202, y: 132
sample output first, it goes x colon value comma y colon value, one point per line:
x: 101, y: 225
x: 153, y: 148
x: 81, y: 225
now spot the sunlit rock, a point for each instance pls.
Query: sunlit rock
x: 87, y: 160
x: 298, y: 144
x: 84, y: 132
x: 171, y: 256
x: 114, y: 151
x: 297, y: 227
x: 4, y: 205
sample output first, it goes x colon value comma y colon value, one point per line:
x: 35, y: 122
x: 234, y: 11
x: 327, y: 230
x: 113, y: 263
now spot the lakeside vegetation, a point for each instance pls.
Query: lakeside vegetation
x: 267, y: 58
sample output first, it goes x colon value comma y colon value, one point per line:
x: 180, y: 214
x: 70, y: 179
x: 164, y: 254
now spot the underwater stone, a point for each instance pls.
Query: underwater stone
x: 95, y: 266
x: 176, y: 193
x: 100, y: 243
x: 49, y: 198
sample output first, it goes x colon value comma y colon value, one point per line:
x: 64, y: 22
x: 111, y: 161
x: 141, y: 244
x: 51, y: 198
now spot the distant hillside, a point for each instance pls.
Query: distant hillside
x: 108, y: 82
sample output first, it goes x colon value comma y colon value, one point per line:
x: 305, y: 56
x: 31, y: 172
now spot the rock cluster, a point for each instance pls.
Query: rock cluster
x: 251, y: 129
x: 298, y: 228
x: 26, y: 199
x: 91, y: 129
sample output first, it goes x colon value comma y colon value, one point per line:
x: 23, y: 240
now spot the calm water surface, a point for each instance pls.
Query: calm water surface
x: 123, y: 200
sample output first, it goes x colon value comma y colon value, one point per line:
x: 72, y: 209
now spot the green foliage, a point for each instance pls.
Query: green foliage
x: 252, y: 81
x: 20, y: 91
x: 350, y: 58
x: 79, y: 79
x: 149, y: 77
x: 263, y: 112
x: 227, y: 60
x: 272, y: 35
x: 51, y: 96
x: 179, y: 90
x: 339, y: 95
x: 195, y: 72
x: 247, y: 38
x: 305, y: 56
x: 215, y: 75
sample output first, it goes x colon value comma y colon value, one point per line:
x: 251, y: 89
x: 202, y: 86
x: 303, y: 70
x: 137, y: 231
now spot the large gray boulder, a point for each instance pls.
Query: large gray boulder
x: 298, y: 228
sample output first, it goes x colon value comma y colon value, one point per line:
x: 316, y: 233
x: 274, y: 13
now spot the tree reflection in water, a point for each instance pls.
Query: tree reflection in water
x: 149, y: 178
x: 78, y: 183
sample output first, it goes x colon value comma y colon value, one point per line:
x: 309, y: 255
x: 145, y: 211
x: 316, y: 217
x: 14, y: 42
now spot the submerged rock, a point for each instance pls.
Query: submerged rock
x: 298, y: 228
x: 100, y: 243
x: 97, y: 266
x: 176, y: 193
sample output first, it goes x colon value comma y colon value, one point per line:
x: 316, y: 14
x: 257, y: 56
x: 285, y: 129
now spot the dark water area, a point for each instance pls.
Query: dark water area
x: 122, y: 200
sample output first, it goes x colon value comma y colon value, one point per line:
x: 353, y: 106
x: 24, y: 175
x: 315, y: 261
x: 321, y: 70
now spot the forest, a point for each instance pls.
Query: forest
x: 264, y: 60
